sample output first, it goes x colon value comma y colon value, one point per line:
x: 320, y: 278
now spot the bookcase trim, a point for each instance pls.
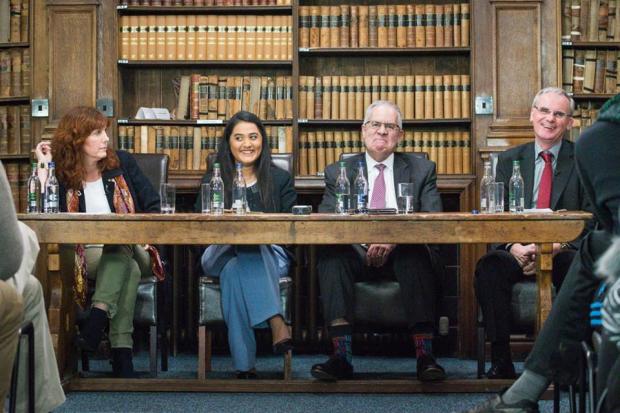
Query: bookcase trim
x: 14, y: 45
x: 279, y: 10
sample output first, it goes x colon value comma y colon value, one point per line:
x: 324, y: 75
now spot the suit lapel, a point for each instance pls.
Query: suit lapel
x: 527, y: 173
x: 401, y: 171
x: 563, y: 171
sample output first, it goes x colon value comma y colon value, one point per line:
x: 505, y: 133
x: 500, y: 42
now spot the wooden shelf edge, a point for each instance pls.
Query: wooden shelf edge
x: 16, y: 99
x: 591, y: 44
x: 234, y: 63
x: 192, y: 122
x: 267, y: 9
x: 16, y: 44
x: 310, y: 51
x: 358, y: 122
x: 14, y: 156
x: 593, y: 96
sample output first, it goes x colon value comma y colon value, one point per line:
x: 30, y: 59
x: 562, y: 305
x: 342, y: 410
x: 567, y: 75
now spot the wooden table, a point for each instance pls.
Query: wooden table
x: 438, y: 228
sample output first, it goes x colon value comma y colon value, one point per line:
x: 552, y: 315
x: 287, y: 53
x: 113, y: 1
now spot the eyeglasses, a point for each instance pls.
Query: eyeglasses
x: 556, y: 114
x: 390, y: 127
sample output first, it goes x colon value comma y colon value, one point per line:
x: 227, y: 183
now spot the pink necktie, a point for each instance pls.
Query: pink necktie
x: 378, y: 190
x: 546, y: 182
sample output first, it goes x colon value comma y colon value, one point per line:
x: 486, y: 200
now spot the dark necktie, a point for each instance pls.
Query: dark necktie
x: 546, y: 182
x: 378, y: 189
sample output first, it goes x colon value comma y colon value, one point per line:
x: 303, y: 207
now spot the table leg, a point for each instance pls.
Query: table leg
x: 544, y: 281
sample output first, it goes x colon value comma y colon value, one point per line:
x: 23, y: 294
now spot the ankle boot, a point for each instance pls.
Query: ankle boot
x: 91, y: 330
x: 122, y: 364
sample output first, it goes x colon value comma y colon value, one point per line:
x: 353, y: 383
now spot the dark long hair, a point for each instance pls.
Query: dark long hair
x: 262, y: 166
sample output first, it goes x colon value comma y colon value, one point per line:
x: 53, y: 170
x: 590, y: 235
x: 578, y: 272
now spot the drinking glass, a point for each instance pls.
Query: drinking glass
x: 205, y: 195
x: 405, y: 198
x: 499, y: 196
x: 167, y: 196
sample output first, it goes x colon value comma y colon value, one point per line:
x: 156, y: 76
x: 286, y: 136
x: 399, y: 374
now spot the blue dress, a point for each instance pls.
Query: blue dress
x: 249, y: 276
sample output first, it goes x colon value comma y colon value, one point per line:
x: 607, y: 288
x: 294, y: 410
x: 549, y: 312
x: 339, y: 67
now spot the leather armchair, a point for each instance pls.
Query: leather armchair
x: 155, y: 168
x: 378, y: 302
x: 209, y: 297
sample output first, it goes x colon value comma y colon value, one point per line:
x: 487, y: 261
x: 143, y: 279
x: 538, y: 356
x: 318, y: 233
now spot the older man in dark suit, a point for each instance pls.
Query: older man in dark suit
x: 551, y: 181
x: 411, y: 265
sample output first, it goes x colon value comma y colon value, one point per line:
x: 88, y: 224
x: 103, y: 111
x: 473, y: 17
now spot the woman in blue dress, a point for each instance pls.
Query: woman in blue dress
x: 249, y: 274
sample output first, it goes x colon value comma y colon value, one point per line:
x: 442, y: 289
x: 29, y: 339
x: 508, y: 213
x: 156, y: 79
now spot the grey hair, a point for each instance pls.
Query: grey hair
x: 608, y: 265
x: 556, y: 91
x: 377, y: 103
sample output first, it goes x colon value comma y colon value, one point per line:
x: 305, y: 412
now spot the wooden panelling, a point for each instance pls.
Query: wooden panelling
x: 72, y: 70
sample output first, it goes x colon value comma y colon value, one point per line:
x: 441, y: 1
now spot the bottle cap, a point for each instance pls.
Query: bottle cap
x: 51, y: 164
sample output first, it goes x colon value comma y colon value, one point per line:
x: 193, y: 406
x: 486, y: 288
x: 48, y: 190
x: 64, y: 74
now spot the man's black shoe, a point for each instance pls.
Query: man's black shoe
x: 247, y: 375
x: 501, y: 370
x: 496, y: 405
x: 335, y: 368
x: 429, y: 370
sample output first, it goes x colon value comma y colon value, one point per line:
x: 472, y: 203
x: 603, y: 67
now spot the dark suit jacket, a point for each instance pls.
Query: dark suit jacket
x: 567, y: 191
x: 407, y: 168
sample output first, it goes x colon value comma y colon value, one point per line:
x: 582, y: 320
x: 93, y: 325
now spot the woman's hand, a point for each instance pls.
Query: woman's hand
x: 44, y: 152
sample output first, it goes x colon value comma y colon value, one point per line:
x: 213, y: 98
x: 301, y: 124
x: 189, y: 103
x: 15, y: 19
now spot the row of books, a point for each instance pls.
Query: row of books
x: 220, y: 97
x: 199, y: 3
x: 200, y: 37
x: 17, y: 174
x: 188, y: 147
x: 590, y: 20
x: 394, y: 25
x: 449, y: 149
x: 15, y: 135
x: 418, y: 96
x: 590, y: 71
x: 14, y: 15
x: 14, y: 72
x: 584, y: 115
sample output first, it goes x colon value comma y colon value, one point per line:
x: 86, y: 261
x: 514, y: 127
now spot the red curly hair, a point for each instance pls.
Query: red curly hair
x: 73, y: 129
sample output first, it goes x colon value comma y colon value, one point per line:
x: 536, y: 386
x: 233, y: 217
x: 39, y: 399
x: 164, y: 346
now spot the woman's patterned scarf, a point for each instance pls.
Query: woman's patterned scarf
x: 123, y: 204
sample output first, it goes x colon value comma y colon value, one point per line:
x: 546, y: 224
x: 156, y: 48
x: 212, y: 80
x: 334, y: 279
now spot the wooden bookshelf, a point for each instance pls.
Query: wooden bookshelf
x: 258, y: 10
x: 13, y: 45
x: 14, y: 99
x: 189, y: 122
x: 382, y: 51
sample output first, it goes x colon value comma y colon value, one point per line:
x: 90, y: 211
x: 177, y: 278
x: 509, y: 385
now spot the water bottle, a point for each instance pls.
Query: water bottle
x: 217, y: 191
x: 343, y: 191
x: 487, y: 193
x: 516, y: 196
x: 51, y: 191
x: 361, y: 190
x: 34, y: 191
x: 239, y: 200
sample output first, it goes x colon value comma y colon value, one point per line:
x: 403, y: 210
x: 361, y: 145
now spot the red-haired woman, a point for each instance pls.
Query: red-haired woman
x: 94, y: 178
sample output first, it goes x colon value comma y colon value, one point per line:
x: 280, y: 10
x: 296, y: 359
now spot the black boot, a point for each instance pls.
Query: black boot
x: 122, y: 364
x: 91, y: 330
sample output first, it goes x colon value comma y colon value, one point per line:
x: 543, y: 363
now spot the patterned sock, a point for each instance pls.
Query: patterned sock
x: 341, y: 341
x: 423, y: 343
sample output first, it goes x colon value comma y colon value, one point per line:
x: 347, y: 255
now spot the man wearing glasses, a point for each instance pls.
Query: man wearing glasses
x: 413, y: 266
x: 551, y: 181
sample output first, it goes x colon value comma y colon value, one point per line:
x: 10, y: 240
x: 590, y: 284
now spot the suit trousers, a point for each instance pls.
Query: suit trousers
x: 558, y: 343
x: 11, y: 316
x: 496, y: 273
x: 340, y: 266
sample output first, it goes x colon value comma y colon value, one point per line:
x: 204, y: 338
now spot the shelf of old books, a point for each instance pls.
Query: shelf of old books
x: 326, y: 51
x: 192, y: 122
x: 265, y: 9
x: 15, y: 81
x: 406, y: 122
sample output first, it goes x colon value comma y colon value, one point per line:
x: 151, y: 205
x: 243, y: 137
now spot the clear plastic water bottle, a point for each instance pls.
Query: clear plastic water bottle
x: 51, y: 190
x: 239, y: 200
x: 516, y: 195
x: 487, y: 193
x: 217, y: 191
x: 343, y: 191
x: 34, y: 191
x: 360, y: 186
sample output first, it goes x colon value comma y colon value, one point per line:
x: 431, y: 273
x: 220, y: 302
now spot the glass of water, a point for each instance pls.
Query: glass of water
x: 499, y: 196
x: 205, y: 196
x: 405, y: 198
x: 167, y: 196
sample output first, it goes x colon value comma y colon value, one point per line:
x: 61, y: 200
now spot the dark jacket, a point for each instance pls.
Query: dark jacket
x: 284, y: 195
x: 407, y: 168
x: 145, y: 197
x: 598, y: 163
x: 567, y: 191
